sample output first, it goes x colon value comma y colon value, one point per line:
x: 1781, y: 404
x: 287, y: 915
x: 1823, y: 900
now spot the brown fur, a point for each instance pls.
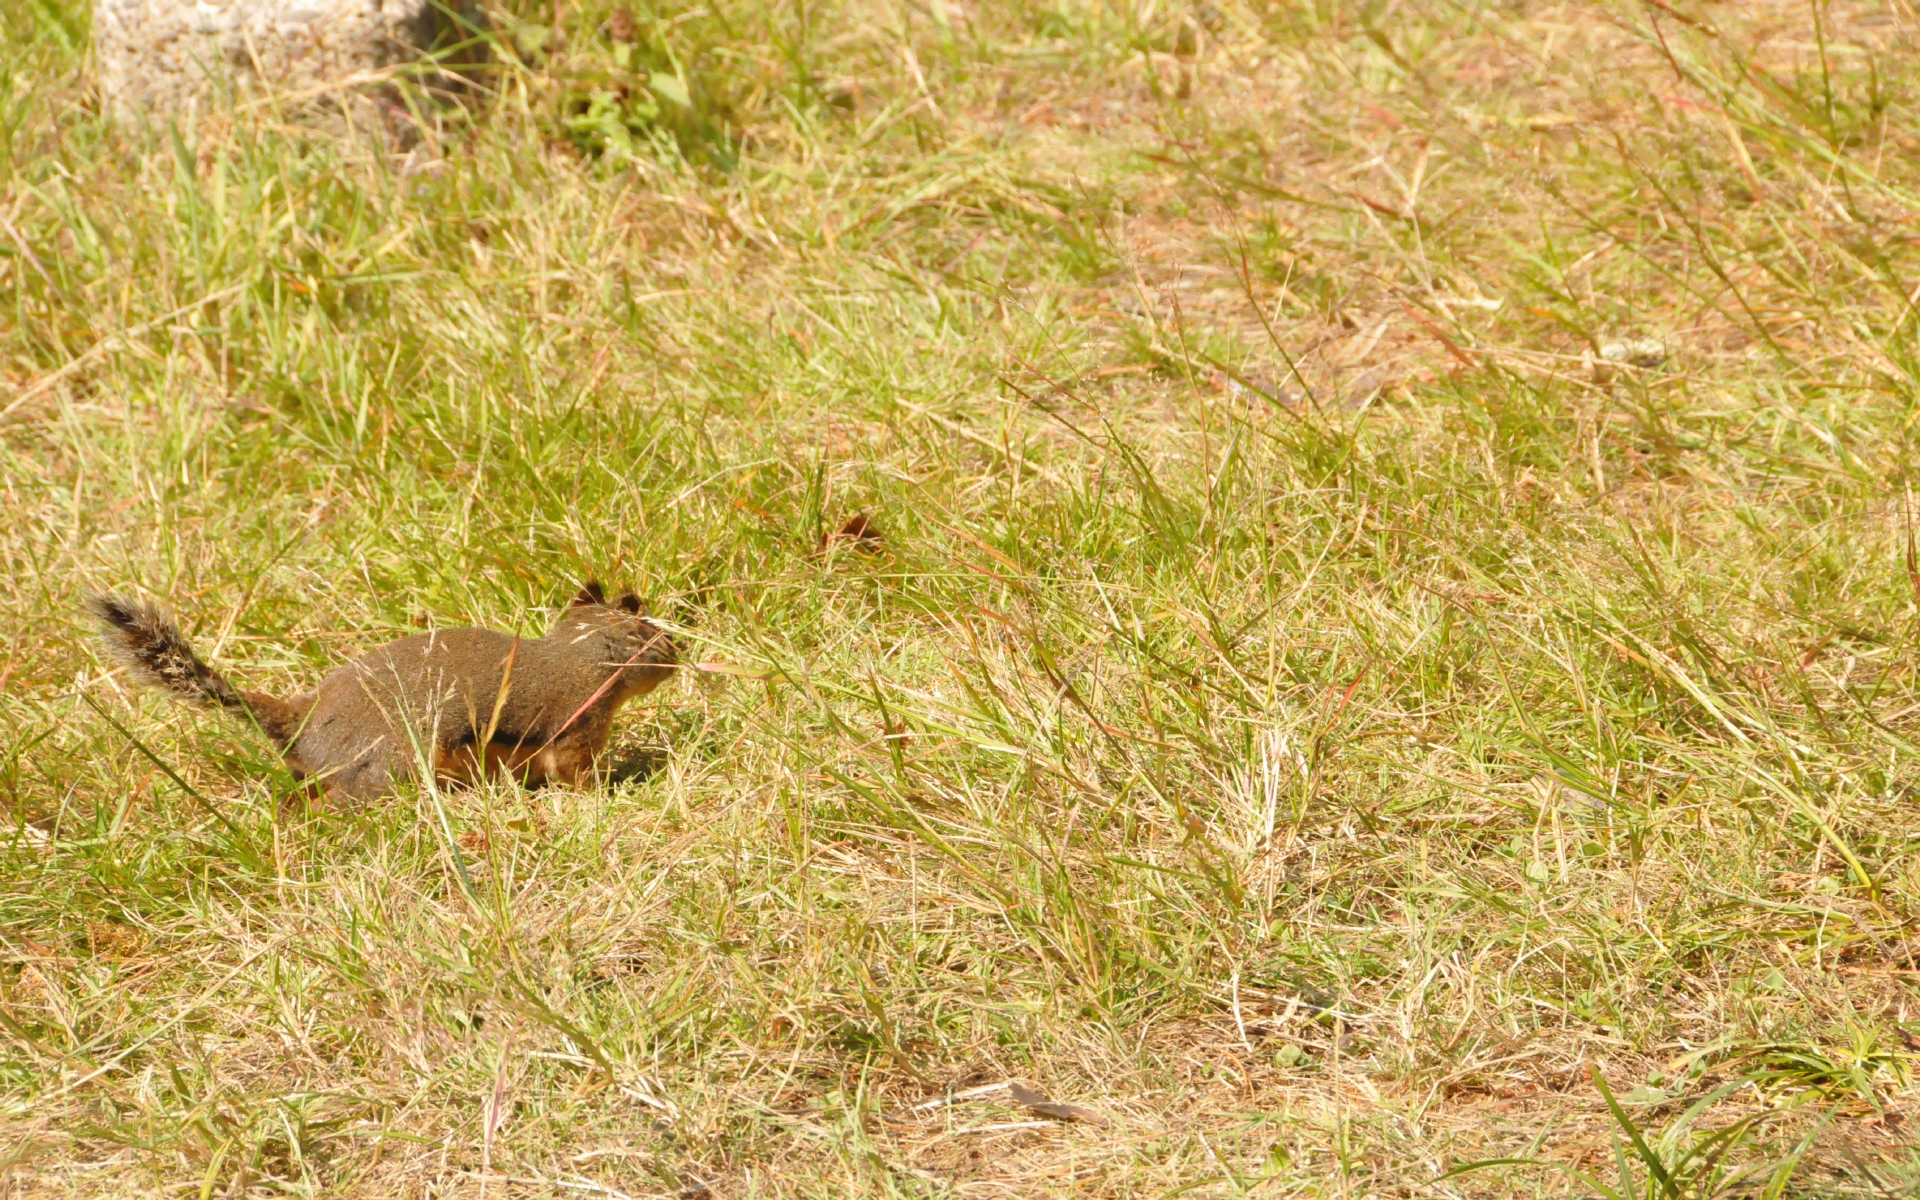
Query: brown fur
x: 469, y: 701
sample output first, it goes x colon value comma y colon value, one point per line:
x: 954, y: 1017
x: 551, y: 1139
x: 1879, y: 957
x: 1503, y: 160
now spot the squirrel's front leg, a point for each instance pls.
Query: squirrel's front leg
x: 569, y: 761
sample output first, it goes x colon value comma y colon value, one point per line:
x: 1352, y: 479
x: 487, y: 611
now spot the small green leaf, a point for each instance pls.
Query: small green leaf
x: 530, y: 38
x: 670, y: 88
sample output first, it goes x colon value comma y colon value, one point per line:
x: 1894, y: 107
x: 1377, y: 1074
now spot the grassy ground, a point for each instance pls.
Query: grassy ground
x: 1395, y: 607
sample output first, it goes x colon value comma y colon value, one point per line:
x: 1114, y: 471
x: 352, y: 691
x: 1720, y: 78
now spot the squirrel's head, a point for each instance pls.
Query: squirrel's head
x: 644, y: 651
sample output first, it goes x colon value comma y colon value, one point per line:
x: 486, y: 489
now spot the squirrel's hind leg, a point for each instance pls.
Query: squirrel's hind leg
x: 302, y: 798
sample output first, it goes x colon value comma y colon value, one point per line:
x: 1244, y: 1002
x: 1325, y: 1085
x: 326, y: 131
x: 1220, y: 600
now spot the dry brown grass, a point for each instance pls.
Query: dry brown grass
x: 1308, y: 702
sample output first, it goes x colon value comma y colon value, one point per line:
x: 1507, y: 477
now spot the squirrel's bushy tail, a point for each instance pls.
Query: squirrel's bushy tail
x: 141, y: 638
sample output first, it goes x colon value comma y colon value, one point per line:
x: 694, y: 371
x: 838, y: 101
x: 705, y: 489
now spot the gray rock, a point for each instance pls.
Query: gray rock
x: 164, y: 59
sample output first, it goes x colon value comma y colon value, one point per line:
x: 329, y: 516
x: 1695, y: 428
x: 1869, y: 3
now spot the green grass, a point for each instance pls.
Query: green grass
x: 1311, y: 706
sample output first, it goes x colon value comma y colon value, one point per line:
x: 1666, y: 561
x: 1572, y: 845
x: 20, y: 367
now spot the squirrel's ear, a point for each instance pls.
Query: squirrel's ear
x: 593, y: 593
x: 630, y: 602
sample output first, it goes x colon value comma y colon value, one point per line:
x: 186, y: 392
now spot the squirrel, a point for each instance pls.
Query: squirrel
x: 469, y: 701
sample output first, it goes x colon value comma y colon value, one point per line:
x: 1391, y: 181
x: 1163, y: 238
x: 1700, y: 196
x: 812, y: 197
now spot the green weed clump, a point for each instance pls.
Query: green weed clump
x: 1385, y: 664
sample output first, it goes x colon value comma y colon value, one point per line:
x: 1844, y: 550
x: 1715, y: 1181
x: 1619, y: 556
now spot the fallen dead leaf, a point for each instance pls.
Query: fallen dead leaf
x: 859, y: 531
x: 1035, y: 1102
